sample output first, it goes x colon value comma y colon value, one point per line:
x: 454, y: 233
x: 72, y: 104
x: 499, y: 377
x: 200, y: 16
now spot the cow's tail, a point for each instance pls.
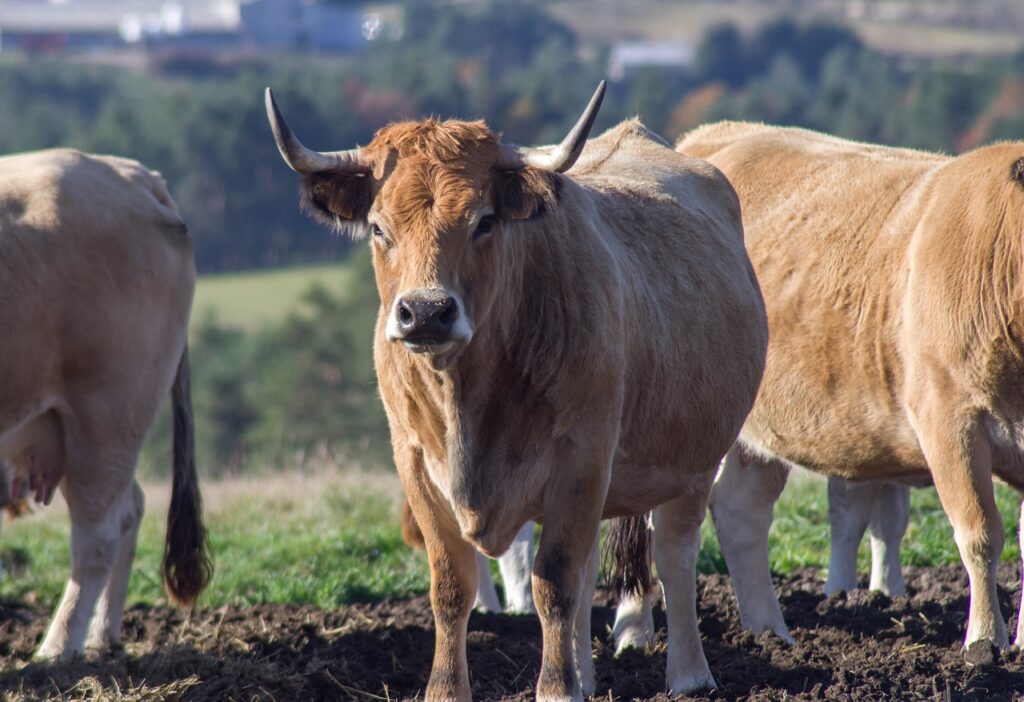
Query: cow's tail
x: 627, y: 556
x: 411, y: 533
x: 187, y: 566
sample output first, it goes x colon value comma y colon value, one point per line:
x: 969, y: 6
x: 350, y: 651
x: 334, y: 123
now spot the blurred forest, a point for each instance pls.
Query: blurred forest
x: 306, y: 384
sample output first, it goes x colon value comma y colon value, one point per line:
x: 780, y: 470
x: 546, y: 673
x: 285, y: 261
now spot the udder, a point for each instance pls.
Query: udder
x: 34, y: 453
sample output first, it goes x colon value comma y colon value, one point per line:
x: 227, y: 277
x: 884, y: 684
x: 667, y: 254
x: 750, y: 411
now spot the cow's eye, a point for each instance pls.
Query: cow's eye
x: 378, y: 234
x: 484, y: 226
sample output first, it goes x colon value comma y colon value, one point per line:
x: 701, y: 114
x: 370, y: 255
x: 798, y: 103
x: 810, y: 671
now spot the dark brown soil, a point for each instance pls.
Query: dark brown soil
x: 861, y: 646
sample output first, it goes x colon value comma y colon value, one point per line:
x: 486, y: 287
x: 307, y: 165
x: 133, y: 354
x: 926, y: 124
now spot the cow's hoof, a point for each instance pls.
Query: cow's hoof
x: 981, y: 653
x: 687, y: 684
x: 763, y: 634
x: 47, y: 654
x: 634, y: 625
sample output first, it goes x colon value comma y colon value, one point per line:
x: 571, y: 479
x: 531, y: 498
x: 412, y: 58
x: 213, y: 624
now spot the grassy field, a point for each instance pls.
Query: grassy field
x: 252, y: 300
x: 333, y: 536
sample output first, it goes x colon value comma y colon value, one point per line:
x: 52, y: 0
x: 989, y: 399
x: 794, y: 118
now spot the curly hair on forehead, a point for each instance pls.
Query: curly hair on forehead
x: 439, y: 141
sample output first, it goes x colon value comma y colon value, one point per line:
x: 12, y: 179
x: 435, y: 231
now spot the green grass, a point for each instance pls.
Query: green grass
x: 253, y: 300
x: 288, y: 538
x: 800, y: 535
x: 332, y: 538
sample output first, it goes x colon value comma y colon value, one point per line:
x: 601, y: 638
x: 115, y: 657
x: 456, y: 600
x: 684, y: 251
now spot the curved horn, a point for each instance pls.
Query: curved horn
x: 560, y: 158
x: 306, y: 161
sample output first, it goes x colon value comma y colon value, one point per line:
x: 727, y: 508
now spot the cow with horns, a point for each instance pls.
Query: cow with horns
x: 565, y: 334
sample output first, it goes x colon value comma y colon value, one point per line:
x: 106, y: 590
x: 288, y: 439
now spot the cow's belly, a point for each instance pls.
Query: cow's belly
x: 856, y: 445
x: 636, y: 489
x: 1007, y: 441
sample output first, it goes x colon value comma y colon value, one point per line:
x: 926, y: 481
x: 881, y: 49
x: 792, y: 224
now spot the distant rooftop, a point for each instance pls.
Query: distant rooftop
x: 634, y: 54
x: 113, y: 16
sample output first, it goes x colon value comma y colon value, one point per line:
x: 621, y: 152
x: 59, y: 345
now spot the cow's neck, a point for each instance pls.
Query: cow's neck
x: 499, y: 400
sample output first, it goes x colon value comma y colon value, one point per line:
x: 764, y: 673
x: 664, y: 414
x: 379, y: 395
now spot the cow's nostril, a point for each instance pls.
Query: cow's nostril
x: 448, y: 313
x: 405, y: 315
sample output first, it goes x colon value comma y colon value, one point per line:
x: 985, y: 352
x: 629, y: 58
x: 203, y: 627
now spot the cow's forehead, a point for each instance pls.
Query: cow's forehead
x: 447, y: 141
x: 437, y: 174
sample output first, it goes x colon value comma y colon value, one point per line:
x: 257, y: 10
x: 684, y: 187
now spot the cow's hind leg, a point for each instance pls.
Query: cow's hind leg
x: 486, y: 596
x: 628, y: 543
x: 849, y: 512
x: 105, y: 629
x: 516, y: 569
x: 742, y: 501
x: 95, y: 545
x: 889, y: 518
x: 676, y: 545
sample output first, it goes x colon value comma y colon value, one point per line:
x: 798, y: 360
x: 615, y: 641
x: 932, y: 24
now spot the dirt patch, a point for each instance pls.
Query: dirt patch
x: 861, y: 646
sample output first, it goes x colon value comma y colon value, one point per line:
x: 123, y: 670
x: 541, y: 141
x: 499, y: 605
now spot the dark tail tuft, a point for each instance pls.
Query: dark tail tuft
x: 627, y: 555
x: 187, y: 565
x: 411, y: 533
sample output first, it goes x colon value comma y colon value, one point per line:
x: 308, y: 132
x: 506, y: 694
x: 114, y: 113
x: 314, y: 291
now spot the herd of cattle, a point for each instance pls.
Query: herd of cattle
x: 566, y: 334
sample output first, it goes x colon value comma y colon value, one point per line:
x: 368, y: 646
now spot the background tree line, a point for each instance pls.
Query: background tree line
x: 307, y: 381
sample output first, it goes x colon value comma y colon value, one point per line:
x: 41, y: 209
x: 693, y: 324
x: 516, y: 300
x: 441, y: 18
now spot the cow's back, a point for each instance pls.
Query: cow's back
x: 96, y: 271
x: 828, y: 225
x: 694, y: 327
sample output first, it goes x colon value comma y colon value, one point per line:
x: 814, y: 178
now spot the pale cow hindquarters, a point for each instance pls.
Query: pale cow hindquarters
x: 880, y: 507
x: 96, y: 281
x: 892, y: 280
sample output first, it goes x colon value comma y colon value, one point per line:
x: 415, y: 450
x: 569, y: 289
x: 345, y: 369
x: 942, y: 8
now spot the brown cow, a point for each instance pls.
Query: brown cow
x: 96, y: 280
x: 893, y: 284
x: 551, y: 346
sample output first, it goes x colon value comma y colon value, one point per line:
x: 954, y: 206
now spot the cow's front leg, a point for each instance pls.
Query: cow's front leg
x: 452, y: 588
x: 742, y: 501
x: 584, y: 614
x: 559, y: 572
x: 453, y: 580
x: 1019, y: 641
x: 960, y: 458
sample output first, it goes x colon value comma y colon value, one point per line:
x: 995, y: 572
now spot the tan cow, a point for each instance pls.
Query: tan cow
x: 551, y: 345
x: 895, y: 303
x: 96, y: 279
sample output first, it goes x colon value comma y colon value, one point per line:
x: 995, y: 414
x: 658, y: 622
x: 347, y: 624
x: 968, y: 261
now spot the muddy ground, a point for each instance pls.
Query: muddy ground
x: 861, y: 646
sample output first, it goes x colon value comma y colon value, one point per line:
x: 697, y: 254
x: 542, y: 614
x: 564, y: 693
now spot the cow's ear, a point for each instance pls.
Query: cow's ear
x: 340, y: 201
x: 526, y: 194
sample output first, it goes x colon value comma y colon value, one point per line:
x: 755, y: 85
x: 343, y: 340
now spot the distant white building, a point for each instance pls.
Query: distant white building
x: 301, y: 24
x: 55, y: 25
x: 627, y: 55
